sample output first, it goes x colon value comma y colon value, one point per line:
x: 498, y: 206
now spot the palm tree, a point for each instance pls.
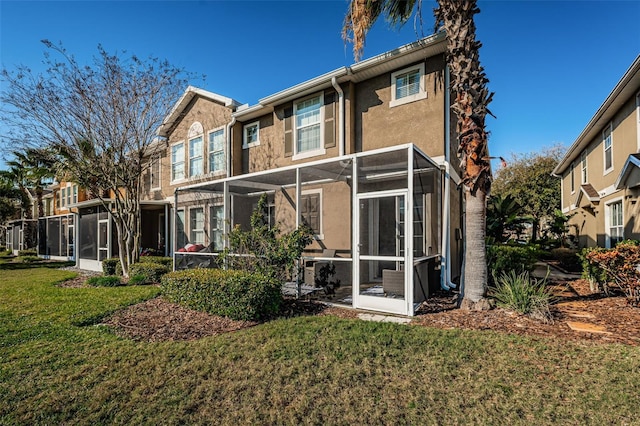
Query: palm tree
x: 32, y: 169
x: 471, y: 98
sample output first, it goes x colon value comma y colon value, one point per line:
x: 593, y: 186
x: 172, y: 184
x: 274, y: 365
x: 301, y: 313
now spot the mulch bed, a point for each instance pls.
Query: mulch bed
x: 159, y: 320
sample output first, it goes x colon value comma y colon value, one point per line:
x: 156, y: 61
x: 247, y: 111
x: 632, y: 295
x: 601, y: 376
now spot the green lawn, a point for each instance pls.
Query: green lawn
x: 57, y: 366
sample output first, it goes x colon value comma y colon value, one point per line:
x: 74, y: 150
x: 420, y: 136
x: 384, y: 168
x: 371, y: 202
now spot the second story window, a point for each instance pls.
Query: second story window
x: 573, y: 178
x: 216, y: 151
x: 407, y: 85
x: 63, y: 197
x: 608, y: 151
x: 196, y: 153
x: 583, y: 167
x: 308, y: 118
x: 251, y: 135
x: 75, y: 194
x: 177, y: 161
x: 154, y: 172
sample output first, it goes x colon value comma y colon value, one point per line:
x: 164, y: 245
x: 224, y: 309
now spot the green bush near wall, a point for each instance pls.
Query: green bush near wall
x: 147, y: 272
x: 503, y: 259
x: 29, y: 252
x: 238, y: 295
x: 110, y: 266
x: 161, y: 260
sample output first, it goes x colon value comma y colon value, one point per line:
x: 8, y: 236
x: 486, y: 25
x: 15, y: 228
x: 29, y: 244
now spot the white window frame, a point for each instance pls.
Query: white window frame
x: 607, y: 219
x: 298, y: 155
x: 63, y: 196
x: 155, y: 177
x: 319, y: 236
x: 607, y: 131
x: 173, y: 164
x: 572, y: 177
x: 210, y: 151
x: 199, y: 155
x: 247, y: 126
x: 422, y: 92
x: 193, y: 229
x: 74, y: 198
x: 583, y: 168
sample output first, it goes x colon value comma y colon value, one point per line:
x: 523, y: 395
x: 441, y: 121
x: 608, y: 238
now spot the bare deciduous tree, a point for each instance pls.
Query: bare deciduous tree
x: 100, y: 121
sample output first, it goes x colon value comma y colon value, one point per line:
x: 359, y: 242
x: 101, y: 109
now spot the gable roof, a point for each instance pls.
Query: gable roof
x: 589, y: 192
x: 190, y: 93
x: 630, y: 174
x: 627, y: 87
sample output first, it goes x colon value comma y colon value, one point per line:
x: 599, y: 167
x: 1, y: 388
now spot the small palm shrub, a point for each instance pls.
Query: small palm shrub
x: 147, y: 272
x: 239, y: 295
x: 104, y: 281
x: 522, y: 293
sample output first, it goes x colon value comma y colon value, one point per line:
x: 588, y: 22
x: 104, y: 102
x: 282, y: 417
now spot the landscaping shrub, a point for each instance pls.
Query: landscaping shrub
x: 238, y: 295
x: 27, y: 259
x: 161, y: 260
x: 148, y: 272
x: 504, y: 258
x: 618, y: 266
x: 29, y: 252
x: 523, y: 294
x: 110, y: 266
x: 137, y: 280
x: 568, y: 258
x: 104, y: 281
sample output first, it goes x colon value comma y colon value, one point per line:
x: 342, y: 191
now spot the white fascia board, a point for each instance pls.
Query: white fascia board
x: 307, y: 87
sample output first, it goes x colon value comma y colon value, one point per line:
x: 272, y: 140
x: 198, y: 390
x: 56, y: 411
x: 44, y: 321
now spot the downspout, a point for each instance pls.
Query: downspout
x: 334, y: 83
x: 174, y: 233
x: 445, y: 261
x: 229, y: 144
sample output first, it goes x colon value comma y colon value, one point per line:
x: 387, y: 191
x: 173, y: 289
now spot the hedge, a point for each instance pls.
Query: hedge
x: 502, y: 259
x: 112, y: 265
x: 238, y: 295
x: 147, y: 272
x: 28, y: 252
x: 161, y: 260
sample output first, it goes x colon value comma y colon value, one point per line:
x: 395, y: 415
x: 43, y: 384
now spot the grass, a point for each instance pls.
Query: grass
x: 58, y: 366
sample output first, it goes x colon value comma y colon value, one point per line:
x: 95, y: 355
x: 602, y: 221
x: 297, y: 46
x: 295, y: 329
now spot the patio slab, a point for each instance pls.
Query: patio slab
x: 586, y: 327
x: 384, y: 318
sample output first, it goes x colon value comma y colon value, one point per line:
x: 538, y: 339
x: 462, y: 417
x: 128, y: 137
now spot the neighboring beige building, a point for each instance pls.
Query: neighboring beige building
x: 601, y: 171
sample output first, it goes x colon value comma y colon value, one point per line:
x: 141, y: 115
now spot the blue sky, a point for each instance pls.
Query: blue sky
x: 551, y: 64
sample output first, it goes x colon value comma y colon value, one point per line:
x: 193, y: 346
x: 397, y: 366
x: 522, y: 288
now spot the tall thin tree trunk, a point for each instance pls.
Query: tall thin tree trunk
x: 475, y: 251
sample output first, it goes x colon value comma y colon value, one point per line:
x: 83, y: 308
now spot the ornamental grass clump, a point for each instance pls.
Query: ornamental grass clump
x: 104, y: 281
x: 523, y: 294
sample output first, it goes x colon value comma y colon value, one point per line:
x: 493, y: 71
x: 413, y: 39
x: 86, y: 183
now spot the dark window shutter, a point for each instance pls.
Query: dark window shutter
x: 329, y: 120
x: 288, y: 132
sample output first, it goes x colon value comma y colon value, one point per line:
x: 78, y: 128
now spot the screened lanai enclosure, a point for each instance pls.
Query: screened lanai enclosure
x: 376, y: 219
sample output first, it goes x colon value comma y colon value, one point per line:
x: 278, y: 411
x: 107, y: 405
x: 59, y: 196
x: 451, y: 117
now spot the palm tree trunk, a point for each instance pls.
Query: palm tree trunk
x: 475, y: 272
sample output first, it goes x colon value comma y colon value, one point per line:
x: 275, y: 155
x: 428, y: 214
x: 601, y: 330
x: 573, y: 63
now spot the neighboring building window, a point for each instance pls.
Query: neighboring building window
x: 68, y: 195
x: 196, y: 154
x: 75, y: 194
x: 608, y: 154
x: 407, y: 85
x: 177, y: 161
x: 583, y: 167
x: 154, y: 170
x: 308, y: 119
x: 196, y: 225
x: 216, y: 151
x: 251, y: 135
x: 311, y: 211
x: 572, y: 177
x: 616, y: 227
x: 63, y: 197
x: 216, y: 227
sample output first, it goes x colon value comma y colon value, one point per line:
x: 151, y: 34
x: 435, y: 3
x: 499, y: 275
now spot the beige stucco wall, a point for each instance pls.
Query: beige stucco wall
x: 212, y: 116
x: 377, y: 125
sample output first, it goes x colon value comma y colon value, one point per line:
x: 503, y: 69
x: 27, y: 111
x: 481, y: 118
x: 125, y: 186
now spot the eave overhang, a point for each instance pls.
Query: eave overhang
x: 588, y: 192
